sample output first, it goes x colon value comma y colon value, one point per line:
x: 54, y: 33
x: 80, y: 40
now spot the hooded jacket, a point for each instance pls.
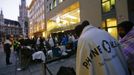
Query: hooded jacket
x: 99, y: 54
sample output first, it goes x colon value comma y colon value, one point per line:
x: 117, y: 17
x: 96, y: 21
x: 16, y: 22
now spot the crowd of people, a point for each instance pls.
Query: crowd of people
x: 53, y: 46
x: 98, y: 53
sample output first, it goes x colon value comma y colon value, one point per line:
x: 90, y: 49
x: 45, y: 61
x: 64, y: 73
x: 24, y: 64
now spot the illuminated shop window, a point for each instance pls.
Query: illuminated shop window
x: 107, y: 5
x: 67, y: 19
x: 110, y: 25
x: 112, y: 2
x: 113, y: 32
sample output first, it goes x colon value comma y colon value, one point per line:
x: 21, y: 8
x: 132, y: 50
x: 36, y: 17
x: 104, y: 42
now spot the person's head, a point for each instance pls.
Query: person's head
x: 85, y: 23
x: 79, y: 28
x: 124, y: 27
x: 8, y: 37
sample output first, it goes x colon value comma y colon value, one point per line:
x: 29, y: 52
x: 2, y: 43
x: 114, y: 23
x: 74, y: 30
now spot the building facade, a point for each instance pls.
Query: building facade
x: 36, y: 13
x: 105, y: 13
x: 9, y: 27
x: 62, y: 15
x: 23, y: 18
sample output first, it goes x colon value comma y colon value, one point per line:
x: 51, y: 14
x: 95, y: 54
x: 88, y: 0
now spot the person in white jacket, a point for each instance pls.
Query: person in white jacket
x: 7, y: 49
x: 98, y: 53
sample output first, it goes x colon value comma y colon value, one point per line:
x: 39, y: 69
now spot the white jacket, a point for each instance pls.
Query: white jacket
x: 7, y: 42
x: 99, y: 54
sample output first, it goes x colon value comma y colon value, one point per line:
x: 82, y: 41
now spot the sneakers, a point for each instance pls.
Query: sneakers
x: 19, y: 69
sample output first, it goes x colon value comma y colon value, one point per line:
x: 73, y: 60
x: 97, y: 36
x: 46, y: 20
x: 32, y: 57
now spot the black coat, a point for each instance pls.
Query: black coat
x: 7, y: 47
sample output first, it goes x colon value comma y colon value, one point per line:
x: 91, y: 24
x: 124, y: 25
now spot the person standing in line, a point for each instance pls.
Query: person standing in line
x: 98, y: 53
x: 126, y: 33
x: 7, y: 50
x: 51, y: 42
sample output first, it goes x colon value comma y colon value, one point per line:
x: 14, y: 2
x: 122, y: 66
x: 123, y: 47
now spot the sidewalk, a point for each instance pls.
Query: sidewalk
x: 34, y: 69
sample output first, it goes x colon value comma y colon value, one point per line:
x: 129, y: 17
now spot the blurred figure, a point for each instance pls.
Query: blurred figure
x: 66, y: 71
x: 56, y: 51
x: 51, y: 41
x: 38, y: 42
x: 126, y: 33
x: 16, y: 46
x: 98, y: 53
x: 7, y: 49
